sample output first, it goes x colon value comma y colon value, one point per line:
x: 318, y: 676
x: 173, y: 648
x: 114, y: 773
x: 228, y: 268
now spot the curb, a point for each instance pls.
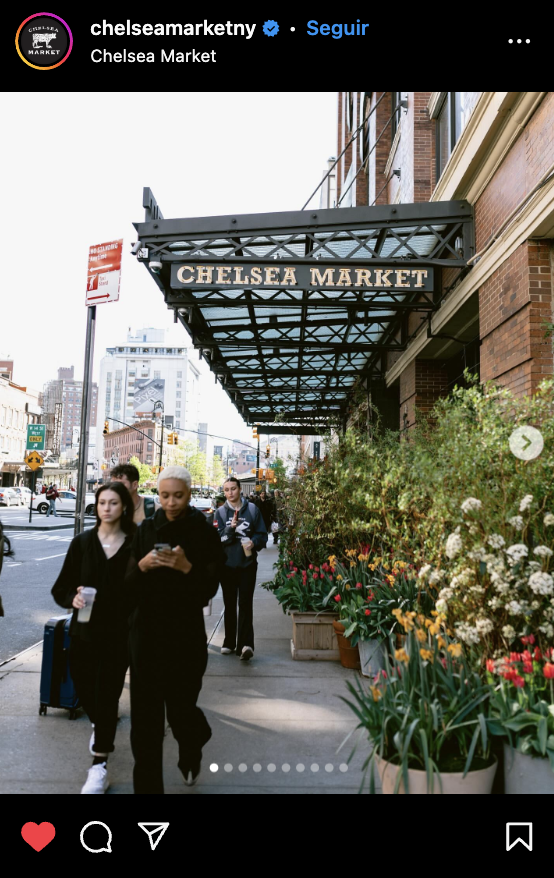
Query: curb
x: 36, y: 526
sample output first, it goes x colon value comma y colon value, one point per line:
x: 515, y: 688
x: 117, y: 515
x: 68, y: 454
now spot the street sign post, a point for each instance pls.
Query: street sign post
x: 36, y: 437
x: 34, y: 461
x: 104, y: 272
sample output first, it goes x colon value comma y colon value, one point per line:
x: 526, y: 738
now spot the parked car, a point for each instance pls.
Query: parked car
x: 25, y: 494
x: 68, y: 504
x: 205, y: 505
x: 10, y: 497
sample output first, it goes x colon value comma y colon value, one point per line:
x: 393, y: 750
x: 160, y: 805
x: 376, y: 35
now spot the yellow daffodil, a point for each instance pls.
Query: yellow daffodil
x: 441, y: 642
x: 426, y: 655
x: 376, y: 692
x: 455, y: 649
x: 434, y: 613
x: 363, y: 557
x: 401, y: 655
x: 339, y: 576
x: 421, y: 635
x: 397, y: 613
x: 390, y: 579
x: 421, y: 619
x: 352, y: 563
x: 347, y: 586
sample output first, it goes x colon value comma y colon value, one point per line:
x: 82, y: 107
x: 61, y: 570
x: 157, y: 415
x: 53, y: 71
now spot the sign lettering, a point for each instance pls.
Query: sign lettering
x: 306, y: 277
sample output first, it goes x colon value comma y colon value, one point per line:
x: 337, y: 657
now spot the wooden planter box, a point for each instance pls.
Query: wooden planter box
x: 313, y: 637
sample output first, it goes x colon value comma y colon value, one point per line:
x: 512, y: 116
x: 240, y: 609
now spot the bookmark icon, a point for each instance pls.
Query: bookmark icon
x: 154, y: 831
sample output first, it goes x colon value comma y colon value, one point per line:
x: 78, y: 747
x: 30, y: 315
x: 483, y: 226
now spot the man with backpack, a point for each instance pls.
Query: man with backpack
x: 52, y: 495
x: 145, y: 507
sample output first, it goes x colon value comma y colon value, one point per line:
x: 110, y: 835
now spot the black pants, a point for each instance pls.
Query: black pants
x: 239, y: 582
x: 98, y: 671
x: 158, y: 683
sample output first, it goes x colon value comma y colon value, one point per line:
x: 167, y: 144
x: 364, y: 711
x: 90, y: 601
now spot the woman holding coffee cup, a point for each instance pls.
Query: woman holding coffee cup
x: 90, y: 582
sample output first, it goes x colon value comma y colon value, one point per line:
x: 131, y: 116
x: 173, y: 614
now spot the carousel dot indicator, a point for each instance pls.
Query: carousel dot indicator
x: 285, y: 767
x: 243, y: 767
x: 314, y: 767
x: 227, y: 767
x: 329, y: 767
x: 343, y: 767
x: 214, y: 767
x: 271, y: 767
x: 257, y: 767
x: 300, y: 767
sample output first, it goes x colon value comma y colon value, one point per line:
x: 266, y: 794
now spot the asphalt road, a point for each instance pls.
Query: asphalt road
x: 26, y: 582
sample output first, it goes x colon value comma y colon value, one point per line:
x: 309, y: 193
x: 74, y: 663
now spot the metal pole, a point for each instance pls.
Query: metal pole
x: 85, y: 419
x: 162, y: 439
x: 258, y: 462
x: 33, y: 492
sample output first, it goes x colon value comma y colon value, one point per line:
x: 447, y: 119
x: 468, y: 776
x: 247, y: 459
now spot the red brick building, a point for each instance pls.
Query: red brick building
x: 121, y: 445
x: 495, y: 150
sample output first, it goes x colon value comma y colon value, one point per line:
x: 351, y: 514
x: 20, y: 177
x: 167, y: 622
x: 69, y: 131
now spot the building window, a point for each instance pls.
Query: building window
x: 177, y: 424
x: 178, y: 394
x: 157, y: 374
x: 179, y: 384
x: 178, y: 404
x: 452, y: 118
x: 395, y: 110
x: 179, y: 374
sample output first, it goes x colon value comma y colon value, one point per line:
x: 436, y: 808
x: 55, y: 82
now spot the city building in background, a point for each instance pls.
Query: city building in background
x: 144, y: 376
x: 121, y: 444
x: 19, y: 406
x: 61, y: 402
x: 494, y: 150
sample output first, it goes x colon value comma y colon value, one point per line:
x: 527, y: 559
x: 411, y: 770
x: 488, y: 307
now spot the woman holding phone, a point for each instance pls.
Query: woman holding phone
x: 176, y: 560
x: 90, y: 582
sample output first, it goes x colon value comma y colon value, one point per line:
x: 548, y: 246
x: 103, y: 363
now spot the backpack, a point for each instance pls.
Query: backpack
x: 50, y: 494
x: 149, y: 507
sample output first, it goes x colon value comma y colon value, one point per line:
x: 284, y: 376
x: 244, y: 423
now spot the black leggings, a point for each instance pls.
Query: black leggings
x: 98, y: 671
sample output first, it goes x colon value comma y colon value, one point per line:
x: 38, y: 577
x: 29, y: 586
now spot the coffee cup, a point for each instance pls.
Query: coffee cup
x: 247, y: 549
x: 88, y: 594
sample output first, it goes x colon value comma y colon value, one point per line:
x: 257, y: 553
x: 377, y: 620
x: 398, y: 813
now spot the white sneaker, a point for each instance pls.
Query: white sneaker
x: 97, y: 780
x: 246, y: 654
x: 226, y: 651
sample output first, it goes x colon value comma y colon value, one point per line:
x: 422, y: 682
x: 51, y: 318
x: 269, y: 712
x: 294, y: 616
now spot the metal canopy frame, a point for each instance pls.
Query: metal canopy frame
x: 295, y: 356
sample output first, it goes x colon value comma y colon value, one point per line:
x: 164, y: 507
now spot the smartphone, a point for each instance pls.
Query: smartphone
x: 159, y: 547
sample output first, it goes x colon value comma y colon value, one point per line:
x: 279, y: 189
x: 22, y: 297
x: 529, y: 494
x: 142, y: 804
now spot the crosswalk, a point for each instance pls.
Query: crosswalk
x: 38, y: 537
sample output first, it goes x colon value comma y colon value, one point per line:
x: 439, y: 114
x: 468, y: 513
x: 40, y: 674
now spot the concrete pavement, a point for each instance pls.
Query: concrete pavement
x: 265, y: 714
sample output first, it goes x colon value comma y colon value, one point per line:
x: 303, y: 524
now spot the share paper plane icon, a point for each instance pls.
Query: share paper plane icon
x: 154, y: 832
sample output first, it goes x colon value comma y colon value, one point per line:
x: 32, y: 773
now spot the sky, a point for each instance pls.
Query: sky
x: 75, y: 166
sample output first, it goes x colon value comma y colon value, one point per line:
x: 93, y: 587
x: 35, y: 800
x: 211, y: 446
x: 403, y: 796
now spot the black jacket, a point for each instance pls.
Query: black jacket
x: 251, y: 524
x: 166, y: 605
x: 86, y: 564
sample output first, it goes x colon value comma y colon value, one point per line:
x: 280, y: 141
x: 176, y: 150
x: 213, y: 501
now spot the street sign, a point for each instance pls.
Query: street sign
x: 104, y: 273
x: 36, y: 437
x: 34, y: 460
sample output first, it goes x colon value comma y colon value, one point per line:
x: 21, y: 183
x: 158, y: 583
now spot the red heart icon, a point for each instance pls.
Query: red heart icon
x: 38, y: 836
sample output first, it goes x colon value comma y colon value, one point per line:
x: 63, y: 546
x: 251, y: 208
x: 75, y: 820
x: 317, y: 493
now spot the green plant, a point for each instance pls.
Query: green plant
x: 522, y: 703
x: 426, y: 711
x: 298, y: 592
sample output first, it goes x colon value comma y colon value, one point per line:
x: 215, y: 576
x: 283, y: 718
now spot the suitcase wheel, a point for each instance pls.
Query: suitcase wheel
x: 72, y: 714
x: 42, y: 710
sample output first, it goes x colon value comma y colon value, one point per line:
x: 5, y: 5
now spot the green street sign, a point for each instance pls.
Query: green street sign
x: 36, y: 437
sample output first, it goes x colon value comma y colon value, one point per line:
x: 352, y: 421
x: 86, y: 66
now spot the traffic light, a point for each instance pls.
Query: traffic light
x: 267, y: 450
x: 271, y: 475
x: 254, y: 433
x: 170, y: 438
x: 260, y: 474
x: 106, y: 429
x: 253, y: 471
x: 175, y: 438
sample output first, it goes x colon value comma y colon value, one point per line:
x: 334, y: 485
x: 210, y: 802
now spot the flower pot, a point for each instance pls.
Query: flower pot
x: 372, y: 657
x: 313, y: 637
x: 525, y: 774
x: 475, y: 782
x: 349, y: 655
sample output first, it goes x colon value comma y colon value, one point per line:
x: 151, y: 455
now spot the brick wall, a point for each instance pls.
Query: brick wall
x: 513, y: 302
x: 528, y: 159
x: 421, y: 384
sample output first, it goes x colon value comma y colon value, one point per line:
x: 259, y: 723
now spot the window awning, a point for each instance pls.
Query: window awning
x: 292, y: 310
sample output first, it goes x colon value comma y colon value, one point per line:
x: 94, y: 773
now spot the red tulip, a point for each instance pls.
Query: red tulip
x: 317, y: 569
x: 515, y: 656
x: 490, y: 666
x: 322, y: 576
x: 527, y: 667
x: 526, y: 656
x: 529, y: 639
x: 518, y: 681
x: 337, y: 597
x: 311, y: 567
x: 368, y: 612
x: 315, y: 576
x: 548, y: 671
x: 358, y: 585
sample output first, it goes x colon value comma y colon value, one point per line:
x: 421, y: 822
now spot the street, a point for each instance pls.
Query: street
x: 27, y: 579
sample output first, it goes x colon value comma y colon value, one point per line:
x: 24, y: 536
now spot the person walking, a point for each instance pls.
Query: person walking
x: 174, y: 569
x: 52, y: 495
x: 6, y: 551
x: 266, y: 508
x: 128, y: 474
x: 243, y: 533
x: 277, y: 516
x: 98, y: 653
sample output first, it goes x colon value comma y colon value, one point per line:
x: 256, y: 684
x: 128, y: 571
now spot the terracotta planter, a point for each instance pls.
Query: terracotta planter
x: 524, y: 774
x: 313, y: 637
x: 453, y: 783
x: 349, y: 655
x: 372, y: 657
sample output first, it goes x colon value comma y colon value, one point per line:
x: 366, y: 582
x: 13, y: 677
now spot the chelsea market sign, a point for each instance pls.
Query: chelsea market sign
x: 321, y: 277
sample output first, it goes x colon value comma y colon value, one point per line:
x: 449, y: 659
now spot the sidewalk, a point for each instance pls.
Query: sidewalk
x: 264, y: 714
x: 20, y: 521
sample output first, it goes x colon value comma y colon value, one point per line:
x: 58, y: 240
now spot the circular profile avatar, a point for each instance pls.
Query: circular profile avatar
x: 44, y: 41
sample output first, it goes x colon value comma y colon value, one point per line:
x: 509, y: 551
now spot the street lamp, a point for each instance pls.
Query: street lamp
x: 275, y: 439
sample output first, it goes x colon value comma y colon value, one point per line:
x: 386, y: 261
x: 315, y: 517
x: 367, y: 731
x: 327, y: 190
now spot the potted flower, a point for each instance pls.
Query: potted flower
x: 304, y: 593
x: 425, y: 717
x: 522, y: 711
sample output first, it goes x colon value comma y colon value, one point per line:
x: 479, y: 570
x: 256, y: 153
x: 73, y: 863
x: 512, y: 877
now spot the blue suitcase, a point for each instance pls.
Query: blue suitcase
x: 56, y: 685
